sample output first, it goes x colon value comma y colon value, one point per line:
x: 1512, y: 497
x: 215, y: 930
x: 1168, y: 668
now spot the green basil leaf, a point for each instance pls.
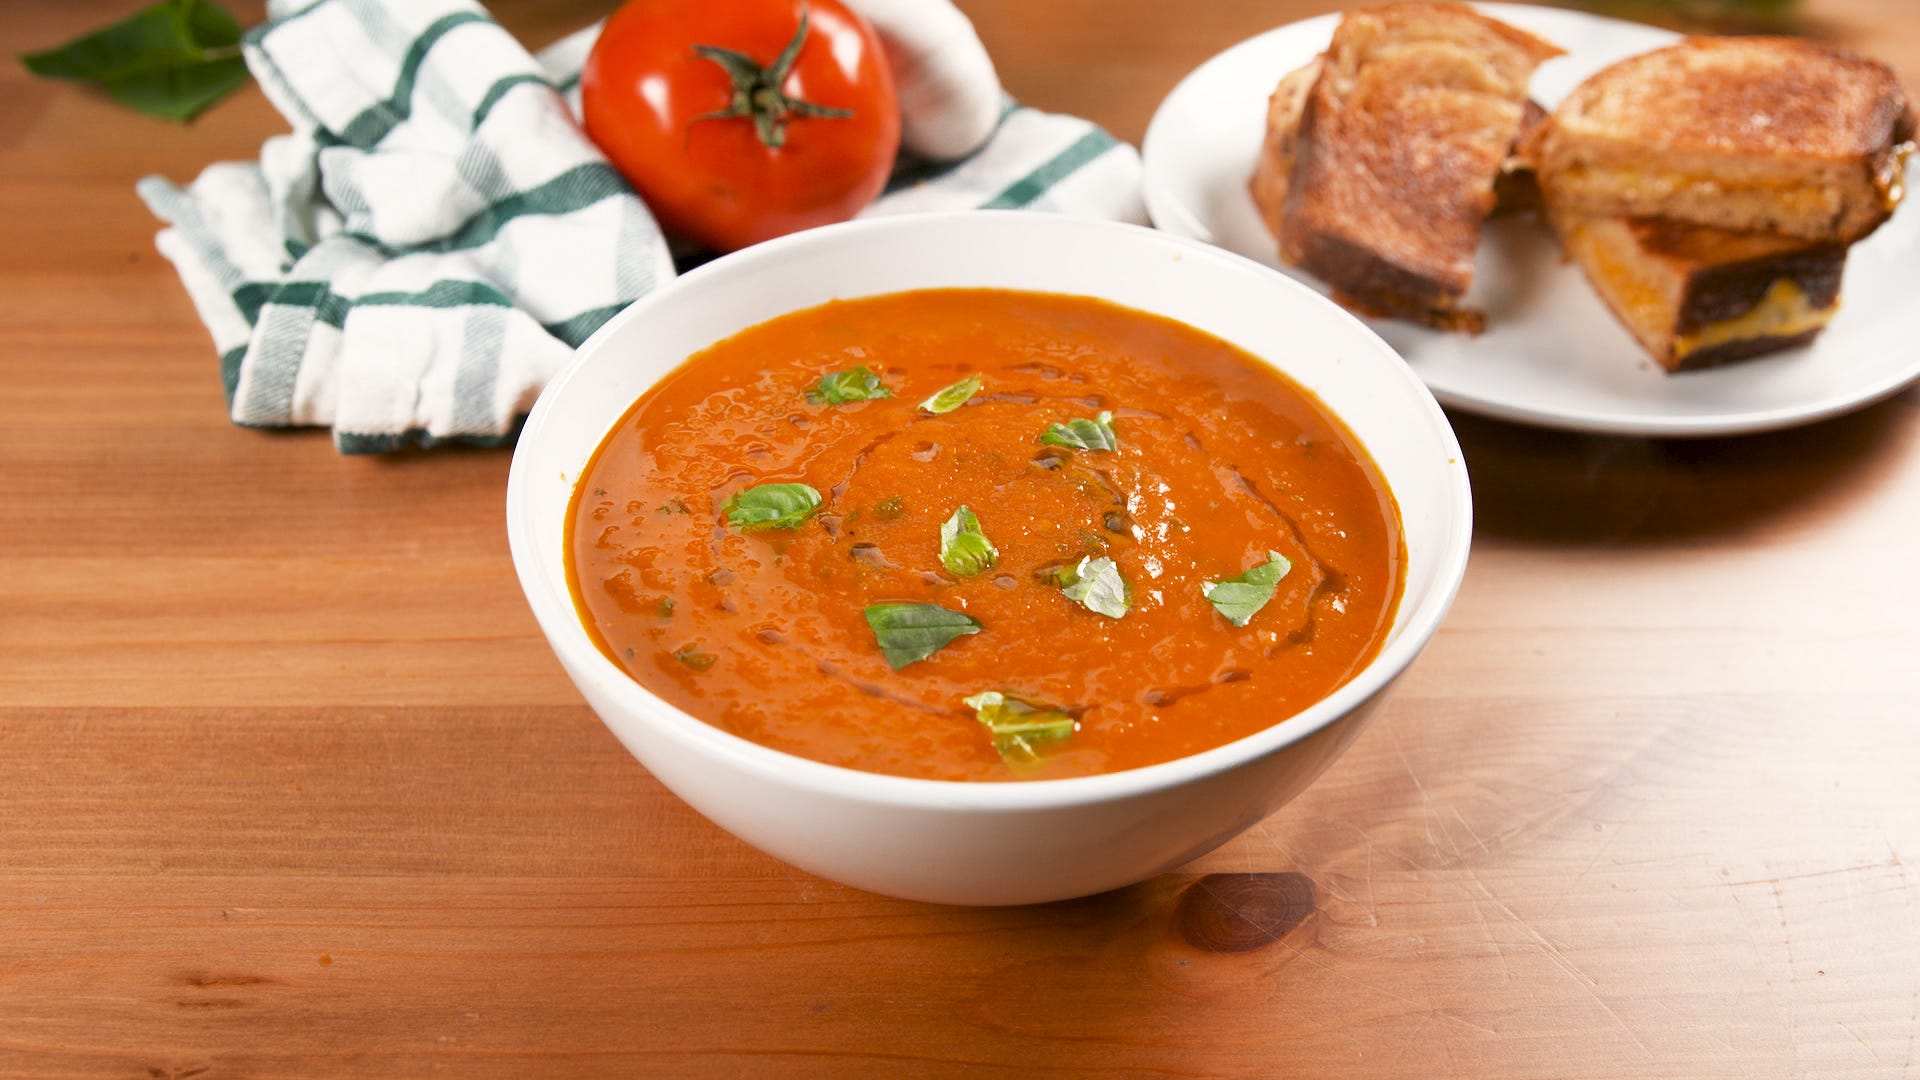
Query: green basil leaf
x: 178, y: 95
x: 170, y: 60
x: 1096, y: 584
x: 841, y: 387
x: 964, y: 548
x: 695, y: 659
x: 157, y: 38
x: 911, y: 632
x: 1017, y: 725
x: 770, y: 506
x: 952, y: 397
x: 1238, y: 599
x: 1095, y: 434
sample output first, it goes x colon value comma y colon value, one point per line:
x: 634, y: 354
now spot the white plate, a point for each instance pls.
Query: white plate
x: 1552, y: 354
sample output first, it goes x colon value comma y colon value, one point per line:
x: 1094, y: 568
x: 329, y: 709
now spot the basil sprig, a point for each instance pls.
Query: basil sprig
x: 841, y: 387
x: 170, y: 60
x: 912, y: 632
x: 1017, y: 726
x: 770, y: 506
x: 952, y: 397
x: 1083, y: 434
x: 1239, y: 599
x: 1096, y: 584
x: 964, y: 547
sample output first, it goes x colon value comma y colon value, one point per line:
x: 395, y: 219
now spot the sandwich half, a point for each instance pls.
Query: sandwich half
x: 1750, y: 134
x: 1696, y: 296
x: 1400, y: 136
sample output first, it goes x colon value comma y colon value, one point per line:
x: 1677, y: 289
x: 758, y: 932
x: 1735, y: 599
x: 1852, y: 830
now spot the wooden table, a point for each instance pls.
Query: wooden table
x: 290, y: 785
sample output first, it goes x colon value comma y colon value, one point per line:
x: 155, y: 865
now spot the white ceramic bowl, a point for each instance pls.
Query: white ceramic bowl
x: 1003, y: 843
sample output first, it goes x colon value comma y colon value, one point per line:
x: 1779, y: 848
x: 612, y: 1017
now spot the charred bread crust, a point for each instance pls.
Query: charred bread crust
x: 1718, y: 293
x: 1743, y: 349
x: 1364, y: 280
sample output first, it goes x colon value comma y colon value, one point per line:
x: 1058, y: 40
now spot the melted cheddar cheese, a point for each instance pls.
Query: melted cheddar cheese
x: 1636, y: 185
x: 1783, y: 312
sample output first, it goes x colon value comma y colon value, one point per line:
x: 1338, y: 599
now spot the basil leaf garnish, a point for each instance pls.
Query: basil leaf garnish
x: 770, y: 506
x: 1096, y: 584
x: 1017, y: 726
x: 841, y: 387
x: 170, y: 60
x: 952, y: 397
x: 1095, y: 434
x: 695, y: 659
x: 1238, y: 599
x: 911, y: 632
x: 964, y: 548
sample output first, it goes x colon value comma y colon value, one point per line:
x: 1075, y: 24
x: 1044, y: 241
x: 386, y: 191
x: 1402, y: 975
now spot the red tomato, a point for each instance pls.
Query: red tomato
x: 687, y: 98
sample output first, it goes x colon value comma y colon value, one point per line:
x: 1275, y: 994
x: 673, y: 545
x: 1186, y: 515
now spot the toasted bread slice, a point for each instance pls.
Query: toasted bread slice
x: 1749, y: 134
x: 1514, y: 189
x: 1696, y: 296
x: 1399, y: 142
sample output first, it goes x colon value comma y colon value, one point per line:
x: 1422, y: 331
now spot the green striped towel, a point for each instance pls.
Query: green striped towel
x: 428, y: 246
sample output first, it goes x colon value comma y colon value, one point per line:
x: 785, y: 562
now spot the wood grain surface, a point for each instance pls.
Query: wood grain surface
x: 290, y: 786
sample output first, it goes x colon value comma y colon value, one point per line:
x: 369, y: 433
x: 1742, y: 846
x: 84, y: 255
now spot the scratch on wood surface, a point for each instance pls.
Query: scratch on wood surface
x: 1562, y: 961
x: 1759, y: 955
x: 1499, y: 947
x: 1446, y: 1014
x: 1426, y: 801
x: 1387, y: 850
x: 1786, y: 938
x: 1777, y: 879
x: 1613, y: 836
x: 1410, y: 1043
x: 1913, y: 1029
x: 1553, y: 951
x: 1341, y: 975
x: 1373, y: 906
x: 1766, y: 971
x: 1476, y: 836
x: 1848, y: 1028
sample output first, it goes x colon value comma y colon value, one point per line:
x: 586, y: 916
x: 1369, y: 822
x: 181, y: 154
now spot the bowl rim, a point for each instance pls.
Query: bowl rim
x: 560, y: 622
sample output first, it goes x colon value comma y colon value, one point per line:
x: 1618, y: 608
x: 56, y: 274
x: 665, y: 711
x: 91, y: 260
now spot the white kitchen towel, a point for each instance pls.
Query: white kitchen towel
x: 427, y: 247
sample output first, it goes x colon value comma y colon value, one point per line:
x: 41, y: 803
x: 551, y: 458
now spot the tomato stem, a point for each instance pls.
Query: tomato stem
x: 757, y: 92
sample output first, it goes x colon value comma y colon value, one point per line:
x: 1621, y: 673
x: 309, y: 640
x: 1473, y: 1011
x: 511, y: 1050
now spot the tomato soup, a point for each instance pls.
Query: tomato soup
x: 970, y: 534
